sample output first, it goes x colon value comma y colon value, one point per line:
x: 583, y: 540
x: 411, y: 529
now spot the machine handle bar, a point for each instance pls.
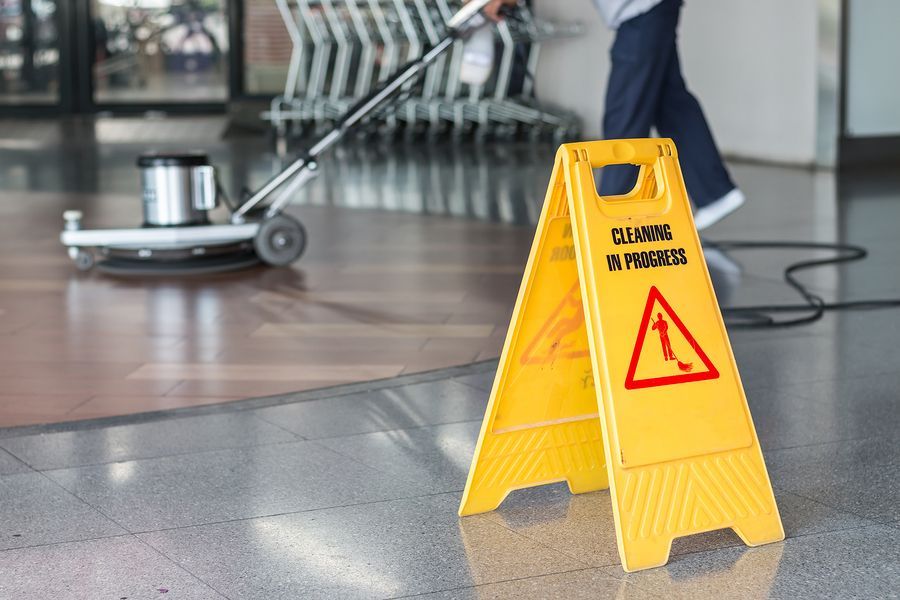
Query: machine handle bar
x: 381, y: 94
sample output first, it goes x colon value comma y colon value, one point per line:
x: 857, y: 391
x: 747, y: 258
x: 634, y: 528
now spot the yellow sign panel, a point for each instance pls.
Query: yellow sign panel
x: 617, y: 330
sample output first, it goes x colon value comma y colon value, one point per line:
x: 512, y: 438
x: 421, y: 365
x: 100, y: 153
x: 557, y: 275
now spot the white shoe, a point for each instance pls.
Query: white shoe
x: 719, y: 209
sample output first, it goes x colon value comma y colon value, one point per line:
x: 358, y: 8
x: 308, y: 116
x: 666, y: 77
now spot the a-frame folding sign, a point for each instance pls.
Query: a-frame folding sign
x: 617, y: 371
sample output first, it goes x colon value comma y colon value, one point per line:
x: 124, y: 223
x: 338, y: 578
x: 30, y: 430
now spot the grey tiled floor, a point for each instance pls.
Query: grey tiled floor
x: 10, y: 464
x: 281, y: 501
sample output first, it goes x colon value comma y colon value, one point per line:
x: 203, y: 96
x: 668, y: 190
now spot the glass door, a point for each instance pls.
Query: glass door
x: 30, y: 54
x: 158, y: 53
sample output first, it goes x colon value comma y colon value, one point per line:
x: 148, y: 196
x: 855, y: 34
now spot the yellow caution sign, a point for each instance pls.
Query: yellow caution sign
x: 617, y: 370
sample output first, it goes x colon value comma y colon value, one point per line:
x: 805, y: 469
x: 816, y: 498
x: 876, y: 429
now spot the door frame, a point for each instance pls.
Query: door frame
x: 84, y: 101
x: 76, y: 94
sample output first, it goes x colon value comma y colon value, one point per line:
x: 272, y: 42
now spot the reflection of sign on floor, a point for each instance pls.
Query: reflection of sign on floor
x: 562, y: 336
x: 676, y: 358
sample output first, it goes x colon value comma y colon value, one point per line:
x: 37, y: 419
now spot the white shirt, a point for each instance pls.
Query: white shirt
x: 616, y: 12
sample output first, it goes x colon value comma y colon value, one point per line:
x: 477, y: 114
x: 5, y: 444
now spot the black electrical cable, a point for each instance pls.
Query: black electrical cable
x: 757, y: 316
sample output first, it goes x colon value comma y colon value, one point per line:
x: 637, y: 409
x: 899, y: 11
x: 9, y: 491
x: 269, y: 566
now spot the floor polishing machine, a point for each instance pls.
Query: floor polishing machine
x: 180, y: 190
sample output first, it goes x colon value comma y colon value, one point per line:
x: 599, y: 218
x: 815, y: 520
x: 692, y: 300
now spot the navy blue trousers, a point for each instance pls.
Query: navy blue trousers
x: 646, y: 89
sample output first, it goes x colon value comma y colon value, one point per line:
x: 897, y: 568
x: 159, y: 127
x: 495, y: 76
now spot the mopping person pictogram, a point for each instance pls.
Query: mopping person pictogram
x: 673, y: 336
x: 661, y: 326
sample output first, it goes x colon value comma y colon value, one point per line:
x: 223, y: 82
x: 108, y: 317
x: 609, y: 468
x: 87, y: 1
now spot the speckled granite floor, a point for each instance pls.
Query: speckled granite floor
x: 352, y: 492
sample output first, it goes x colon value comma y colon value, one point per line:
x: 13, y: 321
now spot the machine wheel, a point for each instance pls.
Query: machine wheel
x: 280, y: 240
x: 84, y: 260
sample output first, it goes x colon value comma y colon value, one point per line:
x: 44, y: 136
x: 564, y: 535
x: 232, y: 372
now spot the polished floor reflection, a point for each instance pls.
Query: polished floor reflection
x: 415, y: 255
x: 379, y: 292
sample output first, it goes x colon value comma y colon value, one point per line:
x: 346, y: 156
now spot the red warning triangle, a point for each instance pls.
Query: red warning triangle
x: 674, y: 369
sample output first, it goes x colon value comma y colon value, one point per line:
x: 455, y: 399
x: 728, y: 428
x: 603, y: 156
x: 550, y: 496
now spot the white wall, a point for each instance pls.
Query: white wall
x: 752, y: 64
x: 873, y: 76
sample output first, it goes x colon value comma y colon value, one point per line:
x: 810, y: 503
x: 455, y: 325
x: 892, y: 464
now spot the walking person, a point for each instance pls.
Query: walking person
x: 647, y: 90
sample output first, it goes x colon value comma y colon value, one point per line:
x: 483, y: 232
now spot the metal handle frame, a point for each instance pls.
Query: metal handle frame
x: 305, y: 168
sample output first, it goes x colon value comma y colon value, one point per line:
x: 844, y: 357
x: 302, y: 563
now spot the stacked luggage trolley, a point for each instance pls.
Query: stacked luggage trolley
x: 342, y: 49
